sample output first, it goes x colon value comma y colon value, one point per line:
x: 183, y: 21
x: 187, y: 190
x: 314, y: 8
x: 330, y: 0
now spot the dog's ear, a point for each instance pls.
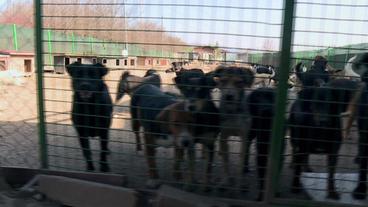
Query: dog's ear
x: 360, y: 65
x: 299, y: 71
x: 248, y: 77
x: 102, y: 69
x: 211, y: 80
x: 70, y: 68
x: 178, y: 80
x: 219, y: 70
x: 124, y: 75
x: 217, y: 73
x: 320, y: 63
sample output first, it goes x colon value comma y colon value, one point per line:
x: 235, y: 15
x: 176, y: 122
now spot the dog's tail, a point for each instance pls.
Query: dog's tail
x: 299, y: 70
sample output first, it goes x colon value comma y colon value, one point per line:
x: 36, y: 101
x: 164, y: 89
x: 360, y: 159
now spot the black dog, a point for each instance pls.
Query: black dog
x: 92, y: 109
x: 360, y: 66
x: 261, y: 106
x: 184, y: 78
x: 315, y: 126
x: 317, y: 75
x: 128, y: 84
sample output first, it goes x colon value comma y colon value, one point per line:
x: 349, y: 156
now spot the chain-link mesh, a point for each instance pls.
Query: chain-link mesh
x: 18, y: 113
x: 135, y: 36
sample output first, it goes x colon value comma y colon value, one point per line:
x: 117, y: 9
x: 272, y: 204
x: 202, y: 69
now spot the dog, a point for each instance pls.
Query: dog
x: 147, y: 102
x: 360, y: 66
x: 127, y: 85
x: 264, y: 76
x: 315, y: 125
x: 316, y: 76
x: 91, y: 110
x: 234, y: 113
x: 177, y: 66
x: 348, y: 71
x: 261, y: 103
x: 178, y: 123
x: 196, y: 88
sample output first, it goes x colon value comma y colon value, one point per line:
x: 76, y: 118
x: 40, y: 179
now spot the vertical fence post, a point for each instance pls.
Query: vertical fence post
x: 73, y: 43
x: 15, y: 37
x: 40, y: 95
x: 278, y: 128
x: 91, y: 44
x: 49, y: 46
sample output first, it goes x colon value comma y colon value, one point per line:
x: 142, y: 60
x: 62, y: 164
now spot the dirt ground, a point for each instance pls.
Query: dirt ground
x: 19, y: 139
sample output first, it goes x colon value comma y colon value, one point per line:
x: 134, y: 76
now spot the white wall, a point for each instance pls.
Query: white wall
x: 17, y: 63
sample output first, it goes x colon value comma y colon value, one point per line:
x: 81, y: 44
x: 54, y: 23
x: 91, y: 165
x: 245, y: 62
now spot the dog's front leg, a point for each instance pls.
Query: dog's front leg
x: 191, y: 163
x: 244, y: 156
x: 150, y: 156
x: 245, y: 148
x: 208, y: 176
x: 136, y: 128
x: 104, y: 140
x: 84, y: 143
x: 360, y: 192
x: 332, y: 161
x: 179, y: 156
x: 224, y: 152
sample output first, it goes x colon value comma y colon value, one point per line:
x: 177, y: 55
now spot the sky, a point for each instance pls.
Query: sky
x: 255, y: 24
x: 318, y: 23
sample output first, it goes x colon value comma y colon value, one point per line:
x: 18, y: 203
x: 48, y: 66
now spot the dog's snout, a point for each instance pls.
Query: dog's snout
x: 185, y: 143
x: 84, y: 86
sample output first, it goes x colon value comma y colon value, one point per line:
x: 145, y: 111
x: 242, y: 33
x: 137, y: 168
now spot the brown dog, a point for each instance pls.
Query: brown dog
x: 234, y: 114
x: 178, y: 123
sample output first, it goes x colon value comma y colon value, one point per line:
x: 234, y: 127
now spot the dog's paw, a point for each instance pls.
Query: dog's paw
x: 260, y: 197
x: 360, y: 192
x: 153, y: 184
x: 178, y: 175
x: 296, y: 187
x: 90, y: 167
x: 333, y: 195
x: 190, y: 186
x: 245, y: 169
x: 207, y: 188
x: 227, y: 183
x: 357, y: 160
x: 104, y: 167
x: 138, y: 148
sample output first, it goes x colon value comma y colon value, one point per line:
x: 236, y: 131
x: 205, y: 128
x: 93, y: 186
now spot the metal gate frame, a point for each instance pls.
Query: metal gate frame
x: 278, y: 121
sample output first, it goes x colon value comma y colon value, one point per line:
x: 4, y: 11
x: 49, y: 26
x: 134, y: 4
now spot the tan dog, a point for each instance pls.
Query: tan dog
x: 234, y: 113
x: 178, y: 123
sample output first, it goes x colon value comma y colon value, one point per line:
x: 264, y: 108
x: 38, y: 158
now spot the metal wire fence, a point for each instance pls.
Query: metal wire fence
x: 292, y: 123
x: 18, y: 114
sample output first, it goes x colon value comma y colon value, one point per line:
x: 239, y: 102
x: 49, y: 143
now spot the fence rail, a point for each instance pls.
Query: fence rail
x: 285, y: 146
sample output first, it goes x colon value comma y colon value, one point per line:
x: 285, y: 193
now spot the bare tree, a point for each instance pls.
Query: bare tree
x: 94, y: 19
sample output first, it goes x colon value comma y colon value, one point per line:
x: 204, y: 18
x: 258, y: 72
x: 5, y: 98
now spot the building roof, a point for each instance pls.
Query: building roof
x: 16, y: 53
